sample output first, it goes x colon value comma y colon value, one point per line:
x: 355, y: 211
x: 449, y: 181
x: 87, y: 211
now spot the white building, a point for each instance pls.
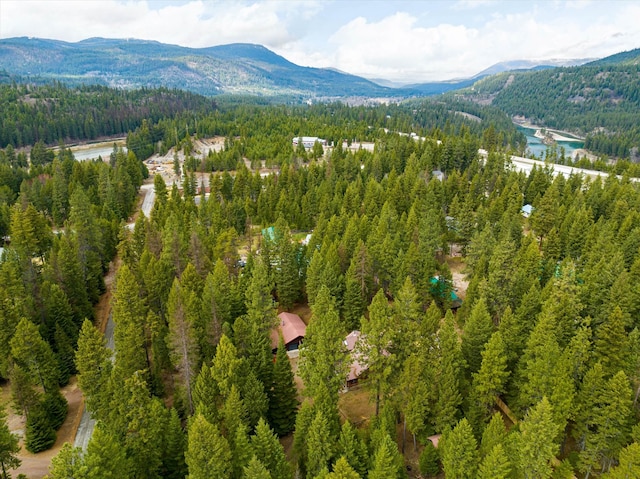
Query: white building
x: 308, y: 141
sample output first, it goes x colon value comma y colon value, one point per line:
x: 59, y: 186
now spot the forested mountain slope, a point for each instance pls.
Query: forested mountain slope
x: 600, y: 100
x: 236, y: 68
x: 54, y: 113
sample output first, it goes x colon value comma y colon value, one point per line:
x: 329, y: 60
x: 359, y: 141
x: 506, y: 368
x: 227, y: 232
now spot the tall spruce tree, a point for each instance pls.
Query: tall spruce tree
x: 284, y: 402
x: 208, y: 454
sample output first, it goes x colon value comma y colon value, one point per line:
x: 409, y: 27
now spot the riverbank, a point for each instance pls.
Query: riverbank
x: 555, y: 135
x: 558, y: 135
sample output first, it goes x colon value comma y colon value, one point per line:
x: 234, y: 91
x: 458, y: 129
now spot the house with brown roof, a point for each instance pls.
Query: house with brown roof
x: 293, y: 331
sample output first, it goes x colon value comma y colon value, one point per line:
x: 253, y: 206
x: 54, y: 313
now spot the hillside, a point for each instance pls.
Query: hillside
x: 600, y: 100
x: 236, y: 68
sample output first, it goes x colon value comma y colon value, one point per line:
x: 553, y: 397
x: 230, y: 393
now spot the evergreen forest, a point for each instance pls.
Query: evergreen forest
x: 535, y: 375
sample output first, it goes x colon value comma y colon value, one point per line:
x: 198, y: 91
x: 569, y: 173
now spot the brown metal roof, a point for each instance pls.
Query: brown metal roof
x: 292, y: 327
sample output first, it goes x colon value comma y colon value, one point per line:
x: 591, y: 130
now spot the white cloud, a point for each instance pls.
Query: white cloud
x: 420, y: 41
x: 195, y: 23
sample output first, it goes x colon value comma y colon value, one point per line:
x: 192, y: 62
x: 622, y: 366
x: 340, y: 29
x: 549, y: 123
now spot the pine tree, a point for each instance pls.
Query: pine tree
x: 40, y: 435
x: 184, y: 347
x: 477, y: 331
x: 241, y: 452
x: 449, y: 374
x: 323, y: 360
x: 105, y: 457
x: 174, y: 445
x: 629, y: 466
x: 288, y: 277
x: 459, y: 454
x: 376, y: 345
x: 284, y: 402
x: 129, y: 314
x: 319, y: 446
x: 536, y: 442
x: 216, y: 309
x: 94, y: 368
x: 385, y: 460
x: 34, y: 355
x: 256, y: 470
x: 269, y: 451
x: 205, y: 394
x: 491, y: 379
x: 253, y: 394
x: 351, y: 448
x: 495, y: 433
x: 9, y: 447
x: 303, y: 423
x: 609, y: 430
x: 611, y: 343
x: 226, y: 365
x: 208, y: 454
x: 429, y: 460
x: 342, y: 470
x: 495, y: 465
x: 68, y: 463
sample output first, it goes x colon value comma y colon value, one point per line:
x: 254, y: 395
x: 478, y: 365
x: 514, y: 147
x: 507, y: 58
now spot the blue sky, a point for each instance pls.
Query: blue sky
x: 402, y: 41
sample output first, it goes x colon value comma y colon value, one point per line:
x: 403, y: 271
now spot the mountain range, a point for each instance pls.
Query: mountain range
x: 237, y: 69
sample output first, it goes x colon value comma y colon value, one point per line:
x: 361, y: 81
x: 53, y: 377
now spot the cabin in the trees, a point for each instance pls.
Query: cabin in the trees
x: 357, y: 362
x: 526, y: 210
x: 293, y: 331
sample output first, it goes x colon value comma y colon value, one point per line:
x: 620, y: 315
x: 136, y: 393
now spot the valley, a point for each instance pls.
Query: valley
x: 255, y: 287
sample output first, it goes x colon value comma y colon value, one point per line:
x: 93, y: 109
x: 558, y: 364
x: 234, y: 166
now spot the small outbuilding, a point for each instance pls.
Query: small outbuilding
x: 293, y: 331
x: 526, y: 210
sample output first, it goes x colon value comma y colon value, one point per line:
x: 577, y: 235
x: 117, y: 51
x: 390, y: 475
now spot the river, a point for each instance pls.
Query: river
x: 539, y: 149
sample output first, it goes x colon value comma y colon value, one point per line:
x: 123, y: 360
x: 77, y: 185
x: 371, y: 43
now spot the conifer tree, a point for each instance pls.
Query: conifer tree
x: 377, y: 345
x: 351, y: 448
x: 94, y: 368
x: 269, y: 451
x: 343, y: 470
x: 629, y: 465
x: 174, y: 445
x: 448, y: 376
x: 205, y: 394
x: 129, y: 314
x: 9, y: 447
x: 477, y: 331
x: 284, y: 402
x: 233, y: 413
x: 208, y: 454
x: 490, y: 380
x: 105, y: 457
x: 255, y: 470
x: 319, y: 446
x: 459, y: 454
x: 226, y: 365
x: 385, y: 460
x: 609, y: 429
x: 323, y: 360
x: 182, y: 340
x: 34, y: 355
x: 39, y: 434
x: 536, y: 442
x: 495, y: 465
x: 495, y: 433
x: 611, y: 343
x: 216, y: 309
x: 68, y: 463
x: 305, y: 416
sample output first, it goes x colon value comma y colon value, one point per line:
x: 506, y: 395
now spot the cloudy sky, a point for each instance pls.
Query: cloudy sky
x: 403, y: 41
